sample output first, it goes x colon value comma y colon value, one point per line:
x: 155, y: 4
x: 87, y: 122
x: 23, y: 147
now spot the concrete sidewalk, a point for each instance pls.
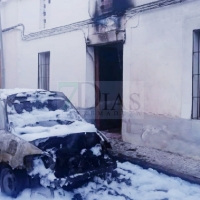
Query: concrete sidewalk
x: 165, y: 162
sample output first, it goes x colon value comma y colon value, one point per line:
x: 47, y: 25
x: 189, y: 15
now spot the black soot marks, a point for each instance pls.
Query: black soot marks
x: 110, y: 7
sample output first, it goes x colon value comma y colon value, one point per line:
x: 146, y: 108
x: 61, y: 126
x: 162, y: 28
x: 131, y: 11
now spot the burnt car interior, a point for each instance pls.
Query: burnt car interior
x: 51, y: 105
x: 69, y: 159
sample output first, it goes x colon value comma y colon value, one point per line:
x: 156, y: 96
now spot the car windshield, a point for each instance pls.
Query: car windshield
x: 40, y: 109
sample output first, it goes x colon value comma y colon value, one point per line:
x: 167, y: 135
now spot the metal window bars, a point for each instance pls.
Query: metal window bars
x: 196, y: 75
x: 43, y: 70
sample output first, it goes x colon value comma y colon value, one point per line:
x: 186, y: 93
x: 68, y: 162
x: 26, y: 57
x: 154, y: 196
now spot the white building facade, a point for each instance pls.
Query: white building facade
x: 144, y: 55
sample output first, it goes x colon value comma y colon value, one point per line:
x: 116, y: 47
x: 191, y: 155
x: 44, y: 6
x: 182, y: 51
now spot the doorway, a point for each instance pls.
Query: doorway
x: 109, y: 86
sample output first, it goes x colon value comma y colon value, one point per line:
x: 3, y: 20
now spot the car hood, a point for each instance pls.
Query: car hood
x: 29, y: 133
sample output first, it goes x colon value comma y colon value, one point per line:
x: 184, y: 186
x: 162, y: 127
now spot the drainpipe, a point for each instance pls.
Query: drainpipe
x: 2, y: 71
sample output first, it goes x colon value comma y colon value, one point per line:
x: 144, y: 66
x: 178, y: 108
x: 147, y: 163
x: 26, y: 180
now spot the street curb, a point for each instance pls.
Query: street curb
x: 146, y: 165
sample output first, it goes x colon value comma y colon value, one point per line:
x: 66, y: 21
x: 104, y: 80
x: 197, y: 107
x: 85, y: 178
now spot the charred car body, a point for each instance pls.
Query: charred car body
x: 43, y: 137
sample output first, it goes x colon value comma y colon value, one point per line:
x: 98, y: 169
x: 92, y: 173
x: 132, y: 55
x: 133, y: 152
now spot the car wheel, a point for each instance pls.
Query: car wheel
x: 9, y: 183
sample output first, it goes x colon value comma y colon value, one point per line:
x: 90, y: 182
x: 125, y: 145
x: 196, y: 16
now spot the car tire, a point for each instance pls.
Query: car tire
x: 10, y: 184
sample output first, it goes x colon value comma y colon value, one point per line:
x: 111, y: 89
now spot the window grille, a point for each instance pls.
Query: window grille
x: 196, y: 76
x: 43, y: 70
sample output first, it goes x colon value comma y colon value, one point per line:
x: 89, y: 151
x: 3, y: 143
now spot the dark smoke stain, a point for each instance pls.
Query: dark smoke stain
x: 105, y: 8
x: 120, y: 6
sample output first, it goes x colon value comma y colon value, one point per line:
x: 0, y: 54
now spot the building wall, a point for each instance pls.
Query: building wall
x: 67, y: 51
x: 65, y: 65
x: 157, y: 67
x: 10, y: 10
x: 158, y: 71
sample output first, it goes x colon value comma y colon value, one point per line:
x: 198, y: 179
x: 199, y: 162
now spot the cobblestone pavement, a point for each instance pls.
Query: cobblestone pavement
x: 170, y: 163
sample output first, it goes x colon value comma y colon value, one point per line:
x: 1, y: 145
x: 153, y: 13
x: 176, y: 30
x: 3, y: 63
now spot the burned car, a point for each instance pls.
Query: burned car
x: 44, y: 139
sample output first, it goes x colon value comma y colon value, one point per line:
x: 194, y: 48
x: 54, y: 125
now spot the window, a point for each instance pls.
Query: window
x: 43, y: 70
x: 196, y: 76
